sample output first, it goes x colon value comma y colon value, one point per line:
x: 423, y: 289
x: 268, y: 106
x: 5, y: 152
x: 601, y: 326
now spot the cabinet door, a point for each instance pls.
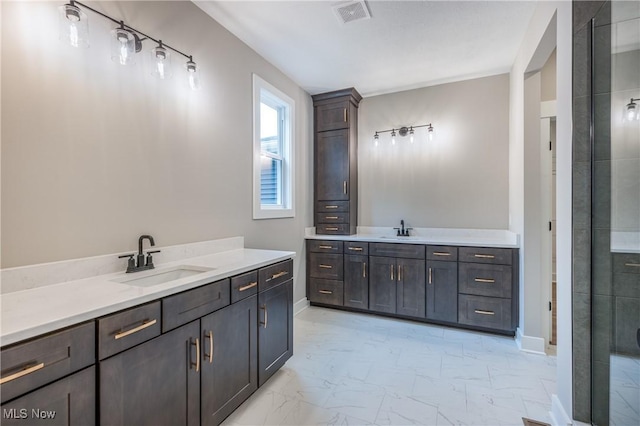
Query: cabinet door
x: 155, y: 383
x: 411, y: 291
x: 275, y: 329
x: 229, y: 359
x: 332, y: 116
x: 332, y: 165
x: 382, y: 284
x: 442, y: 291
x: 69, y: 401
x: 356, y: 282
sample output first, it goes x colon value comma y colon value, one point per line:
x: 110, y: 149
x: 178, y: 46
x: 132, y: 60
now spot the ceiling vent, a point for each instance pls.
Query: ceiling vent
x: 351, y: 11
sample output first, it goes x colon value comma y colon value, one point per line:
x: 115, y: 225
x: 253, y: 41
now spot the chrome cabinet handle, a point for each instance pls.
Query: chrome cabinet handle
x: 479, y: 311
x: 344, y: 115
x: 430, y: 277
x: 344, y: 187
x: 399, y: 272
x: 325, y: 266
x: 248, y: 286
x: 633, y: 265
x: 264, y: 308
x: 331, y: 228
x: 441, y: 253
x: 485, y: 280
x: 330, y: 207
x: 25, y: 371
x: 331, y: 217
x: 144, y: 325
x: 392, y: 277
x: 355, y: 248
x: 364, y: 269
x: 325, y: 292
x: 209, y: 336
x: 325, y: 247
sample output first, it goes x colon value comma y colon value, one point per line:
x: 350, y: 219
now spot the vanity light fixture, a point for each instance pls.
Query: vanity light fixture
x: 404, y: 131
x: 126, y: 41
x: 631, y: 110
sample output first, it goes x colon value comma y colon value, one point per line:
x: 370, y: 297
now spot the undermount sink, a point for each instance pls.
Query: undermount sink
x: 162, y: 276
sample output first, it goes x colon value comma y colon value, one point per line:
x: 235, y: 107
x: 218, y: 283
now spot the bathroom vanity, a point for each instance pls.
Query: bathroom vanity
x: 188, y: 353
x: 468, y: 284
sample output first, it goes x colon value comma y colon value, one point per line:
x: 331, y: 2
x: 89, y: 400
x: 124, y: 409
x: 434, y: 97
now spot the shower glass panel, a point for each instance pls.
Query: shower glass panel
x: 615, y: 217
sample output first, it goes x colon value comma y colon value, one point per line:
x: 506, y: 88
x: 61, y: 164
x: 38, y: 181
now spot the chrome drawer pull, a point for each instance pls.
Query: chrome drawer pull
x: 344, y: 187
x: 355, y: 248
x: 330, y: 207
x: 633, y: 265
x: 209, y: 355
x: 23, y: 372
x: 325, y: 292
x: 485, y: 280
x: 325, y: 247
x: 441, y: 253
x: 331, y: 217
x: 197, y: 363
x: 248, y: 286
x: 345, y: 115
x: 331, y: 228
x: 266, y: 318
x: 479, y: 311
x: 430, y: 276
x: 135, y: 330
x: 364, y: 269
x: 485, y: 256
x: 325, y: 266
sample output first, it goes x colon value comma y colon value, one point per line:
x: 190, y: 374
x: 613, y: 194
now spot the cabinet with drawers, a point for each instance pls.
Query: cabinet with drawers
x: 486, y: 288
x: 335, y: 161
x: 471, y: 287
x: 54, y: 375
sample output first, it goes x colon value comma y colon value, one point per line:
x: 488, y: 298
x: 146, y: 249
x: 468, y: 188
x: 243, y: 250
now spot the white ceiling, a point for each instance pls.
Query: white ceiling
x: 405, y: 44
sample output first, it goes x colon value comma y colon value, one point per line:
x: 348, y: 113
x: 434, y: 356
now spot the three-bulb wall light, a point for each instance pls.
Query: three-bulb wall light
x: 404, y: 131
x: 126, y: 42
x: 631, y: 110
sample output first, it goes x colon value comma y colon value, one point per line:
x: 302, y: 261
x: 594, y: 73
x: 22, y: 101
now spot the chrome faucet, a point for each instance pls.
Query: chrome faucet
x: 140, y: 264
x: 402, y: 231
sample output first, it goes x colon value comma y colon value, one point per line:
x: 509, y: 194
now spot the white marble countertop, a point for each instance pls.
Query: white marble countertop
x: 435, y: 236
x: 29, y: 313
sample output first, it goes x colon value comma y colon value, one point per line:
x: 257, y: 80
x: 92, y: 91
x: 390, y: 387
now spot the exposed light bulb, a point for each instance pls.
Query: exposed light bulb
x: 411, y: 134
x: 632, y: 110
x: 430, y: 132
x: 393, y: 137
x: 161, y: 62
x: 375, y: 139
x: 73, y: 26
x: 192, y: 70
x: 73, y: 35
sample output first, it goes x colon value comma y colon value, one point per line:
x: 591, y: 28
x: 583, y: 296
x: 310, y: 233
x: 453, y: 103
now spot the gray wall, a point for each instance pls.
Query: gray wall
x: 460, y: 180
x: 95, y: 154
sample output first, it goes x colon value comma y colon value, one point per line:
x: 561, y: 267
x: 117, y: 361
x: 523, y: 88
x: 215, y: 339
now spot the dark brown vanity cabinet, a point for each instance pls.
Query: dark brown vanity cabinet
x: 442, y: 283
x: 397, y: 284
x: 50, y: 380
x: 335, y: 161
x: 155, y: 383
x: 356, y: 281
x: 275, y: 329
x: 487, y: 287
x: 229, y: 359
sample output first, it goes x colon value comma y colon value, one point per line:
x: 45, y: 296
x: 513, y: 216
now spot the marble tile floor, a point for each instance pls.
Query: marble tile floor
x: 624, y: 395
x: 359, y: 369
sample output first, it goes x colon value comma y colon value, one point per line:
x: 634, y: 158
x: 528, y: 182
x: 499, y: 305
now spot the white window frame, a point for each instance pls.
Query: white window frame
x: 286, y: 209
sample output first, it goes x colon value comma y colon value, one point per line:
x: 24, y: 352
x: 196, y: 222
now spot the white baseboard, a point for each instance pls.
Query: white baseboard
x: 300, y: 306
x: 530, y: 344
x: 558, y: 414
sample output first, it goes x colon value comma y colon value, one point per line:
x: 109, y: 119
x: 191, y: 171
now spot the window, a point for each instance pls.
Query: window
x: 273, y: 113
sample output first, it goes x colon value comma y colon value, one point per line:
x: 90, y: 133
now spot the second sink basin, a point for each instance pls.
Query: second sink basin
x: 161, y: 276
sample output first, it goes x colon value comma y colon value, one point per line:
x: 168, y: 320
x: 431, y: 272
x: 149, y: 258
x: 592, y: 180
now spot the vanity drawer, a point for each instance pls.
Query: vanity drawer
x: 29, y: 365
x: 445, y: 253
x: 324, y: 246
x: 410, y: 251
x: 485, y: 280
x: 500, y: 256
x: 193, y: 304
x: 356, y: 247
x: 327, y: 266
x: 488, y: 312
x: 332, y: 229
x: 273, y: 275
x: 128, y: 328
x: 329, y: 292
x: 332, y: 206
x: 332, y: 218
x: 244, y: 285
